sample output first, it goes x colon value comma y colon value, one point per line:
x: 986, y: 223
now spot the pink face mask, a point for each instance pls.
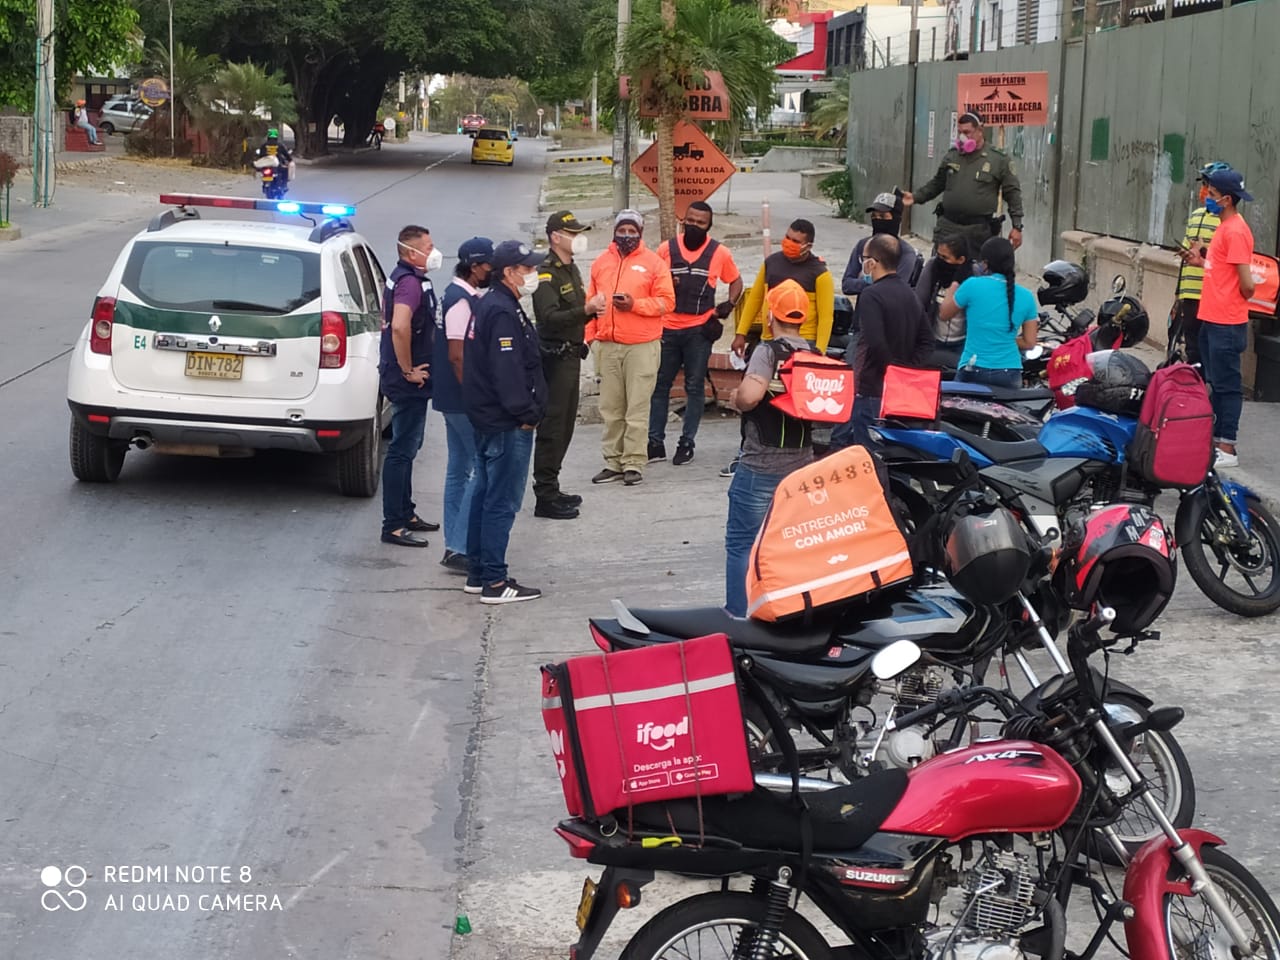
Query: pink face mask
x: 966, y: 145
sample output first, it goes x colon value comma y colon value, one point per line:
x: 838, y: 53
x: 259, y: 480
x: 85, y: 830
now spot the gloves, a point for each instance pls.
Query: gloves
x: 724, y: 309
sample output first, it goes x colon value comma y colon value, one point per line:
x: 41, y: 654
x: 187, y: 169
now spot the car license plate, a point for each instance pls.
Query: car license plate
x: 215, y: 366
x: 585, y: 904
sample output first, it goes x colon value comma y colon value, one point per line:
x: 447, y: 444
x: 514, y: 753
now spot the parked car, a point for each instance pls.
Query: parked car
x: 493, y: 145
x: 123, y: 115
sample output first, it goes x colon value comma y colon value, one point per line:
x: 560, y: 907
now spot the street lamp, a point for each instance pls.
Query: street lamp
x: 172, y: 144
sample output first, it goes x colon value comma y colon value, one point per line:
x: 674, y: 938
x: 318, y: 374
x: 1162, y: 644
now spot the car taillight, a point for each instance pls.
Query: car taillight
x: 333, y: 340
x: 104, y: 317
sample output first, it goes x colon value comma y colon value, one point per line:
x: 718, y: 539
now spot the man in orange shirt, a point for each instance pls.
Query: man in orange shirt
x: 1224, y: 305
x: 627, y: 340
x: 697, y: 264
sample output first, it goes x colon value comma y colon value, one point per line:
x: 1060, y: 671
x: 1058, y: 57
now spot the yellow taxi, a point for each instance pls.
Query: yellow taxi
x: 493, y: 145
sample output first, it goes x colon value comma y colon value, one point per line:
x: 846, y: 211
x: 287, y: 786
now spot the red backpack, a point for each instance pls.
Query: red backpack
x: 1173, y: 445
x: 816, y: 388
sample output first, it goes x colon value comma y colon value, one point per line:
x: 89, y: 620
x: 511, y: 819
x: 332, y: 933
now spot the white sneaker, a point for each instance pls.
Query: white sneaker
x: 1222, y: 459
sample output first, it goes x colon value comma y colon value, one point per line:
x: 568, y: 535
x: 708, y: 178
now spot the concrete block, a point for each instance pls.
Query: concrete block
x: 809, y: 180
x: 15, y: 137
x: 10, y: 233
x: 795, y: 159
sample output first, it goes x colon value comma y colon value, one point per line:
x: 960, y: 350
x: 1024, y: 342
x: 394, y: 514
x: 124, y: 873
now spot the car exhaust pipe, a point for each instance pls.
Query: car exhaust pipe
x: 141, y: 441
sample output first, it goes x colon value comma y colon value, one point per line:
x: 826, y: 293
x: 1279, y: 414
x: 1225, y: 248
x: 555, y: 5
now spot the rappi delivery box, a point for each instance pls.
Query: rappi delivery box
x: 640, y: 726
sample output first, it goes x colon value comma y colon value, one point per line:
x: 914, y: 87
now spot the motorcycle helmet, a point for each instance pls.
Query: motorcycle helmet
x: 1117, y: 385
x: 1065, y: 283
x: 1122, y: 557
x: 1122, y: 322
x: 987, y: 555
x: 273, y: 133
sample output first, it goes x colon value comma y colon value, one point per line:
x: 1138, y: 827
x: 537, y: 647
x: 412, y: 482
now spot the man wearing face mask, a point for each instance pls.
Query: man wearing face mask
x: 505, y: 396
x: 1201, y: 225
x: 404, y: 374
x: 628, y: 343
x: 886, y: 218
x: 970, y: 180
x: 561, y: 311
x: 795, y: 261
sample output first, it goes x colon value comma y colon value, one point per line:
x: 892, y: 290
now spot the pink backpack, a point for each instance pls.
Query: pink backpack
x: 1173, y: 445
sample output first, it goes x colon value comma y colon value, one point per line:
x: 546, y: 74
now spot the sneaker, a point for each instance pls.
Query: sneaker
x: 657, y: 451
x: 473, y: 586
x: 727, y: 471
x: 1223, y: 459
x: 632, y: 477
x: 684, y: 452
x: 508, y: 591
x: 607, y: 476
x: 456, y: 562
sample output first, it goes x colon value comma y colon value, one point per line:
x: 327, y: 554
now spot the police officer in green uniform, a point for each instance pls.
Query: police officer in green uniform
x: 970, y: 180
x: 561, y: 311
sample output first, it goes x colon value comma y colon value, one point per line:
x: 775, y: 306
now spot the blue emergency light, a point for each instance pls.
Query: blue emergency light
x: 271, y: 206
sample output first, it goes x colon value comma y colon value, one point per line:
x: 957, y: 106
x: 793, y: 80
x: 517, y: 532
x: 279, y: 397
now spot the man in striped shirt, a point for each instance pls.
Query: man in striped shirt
x: 1183, y: 324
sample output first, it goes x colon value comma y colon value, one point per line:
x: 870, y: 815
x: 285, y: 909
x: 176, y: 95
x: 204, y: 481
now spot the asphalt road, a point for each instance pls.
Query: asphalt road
x: 217, y: 663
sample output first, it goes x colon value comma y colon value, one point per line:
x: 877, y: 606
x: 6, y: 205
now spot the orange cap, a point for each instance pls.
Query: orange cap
x: 79, y: 103
x: 788, y: 302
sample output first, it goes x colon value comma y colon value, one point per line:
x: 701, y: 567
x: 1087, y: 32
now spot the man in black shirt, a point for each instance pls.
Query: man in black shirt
x: 894, y: 331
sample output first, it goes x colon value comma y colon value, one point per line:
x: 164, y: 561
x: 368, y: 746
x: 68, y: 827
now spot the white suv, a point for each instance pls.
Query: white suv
x: 220, y: 337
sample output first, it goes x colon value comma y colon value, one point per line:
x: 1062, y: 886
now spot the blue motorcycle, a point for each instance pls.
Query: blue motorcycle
x: 1078, y: 461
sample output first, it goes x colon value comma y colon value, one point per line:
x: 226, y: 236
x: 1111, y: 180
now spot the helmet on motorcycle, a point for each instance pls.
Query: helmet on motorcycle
x: 1120, y: 557
x: 1118, y: 384
x: 987, y: 555
x: 273, y: 133
x: 1122, y: 322
x: 1065, y: 283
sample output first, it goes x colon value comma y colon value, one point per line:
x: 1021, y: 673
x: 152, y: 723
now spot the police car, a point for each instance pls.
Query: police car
x: 221, y: 337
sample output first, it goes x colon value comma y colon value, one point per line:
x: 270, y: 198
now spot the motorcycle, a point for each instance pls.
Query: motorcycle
x: 993, y: 838
x: 375, y: 135
x: 275, y: 181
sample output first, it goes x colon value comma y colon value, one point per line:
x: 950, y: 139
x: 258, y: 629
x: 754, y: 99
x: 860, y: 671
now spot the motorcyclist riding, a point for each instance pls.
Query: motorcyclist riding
x: 273, y: 149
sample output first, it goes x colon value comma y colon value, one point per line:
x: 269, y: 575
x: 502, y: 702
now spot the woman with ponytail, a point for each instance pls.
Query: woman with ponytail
x: 1001, y: 318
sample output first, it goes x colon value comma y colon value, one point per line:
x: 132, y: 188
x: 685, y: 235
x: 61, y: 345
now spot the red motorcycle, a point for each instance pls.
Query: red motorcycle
x: 972, y: 855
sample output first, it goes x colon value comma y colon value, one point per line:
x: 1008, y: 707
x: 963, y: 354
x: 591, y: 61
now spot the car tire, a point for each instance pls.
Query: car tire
x: 95, y: 459
x: 107, y: 127
x: 360, y: 466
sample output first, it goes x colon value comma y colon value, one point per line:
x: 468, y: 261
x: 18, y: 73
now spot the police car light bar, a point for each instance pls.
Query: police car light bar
x: 271, y: 206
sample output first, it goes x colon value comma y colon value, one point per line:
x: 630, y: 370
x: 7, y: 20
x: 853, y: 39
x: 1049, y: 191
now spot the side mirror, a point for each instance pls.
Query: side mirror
x: 1033, y: 353
x: 896, y: 658
x: 1117, y: 285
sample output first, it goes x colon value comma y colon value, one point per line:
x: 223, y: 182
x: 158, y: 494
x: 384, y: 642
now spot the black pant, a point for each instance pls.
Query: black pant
x: 974, y: 234
x: 563, y: 374
x: 1185, y: 326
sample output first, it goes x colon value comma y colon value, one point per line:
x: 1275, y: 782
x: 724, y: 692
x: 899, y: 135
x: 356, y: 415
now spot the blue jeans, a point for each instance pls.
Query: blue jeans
x: 1221, y: 345
x: 994, y: 378
x: 459, y: 480
x: 857, y: 429
x: 750, y: 494
x: 408, y: 425
x: 692, y: 351
x: 502, y: 472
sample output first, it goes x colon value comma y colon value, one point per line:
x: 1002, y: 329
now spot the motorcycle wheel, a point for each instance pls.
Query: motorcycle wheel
x: 1191, y: 928
x: 1160, y: 758
x: 1254, y: 590
x: 709, y: 926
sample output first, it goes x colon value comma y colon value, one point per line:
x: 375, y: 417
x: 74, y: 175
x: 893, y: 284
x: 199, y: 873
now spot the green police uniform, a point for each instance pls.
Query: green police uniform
x: 560, y: 315
x: 970, y: 186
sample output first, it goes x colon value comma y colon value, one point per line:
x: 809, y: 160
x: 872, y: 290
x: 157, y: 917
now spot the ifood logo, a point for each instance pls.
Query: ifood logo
x: 824, y: 390
x: 661, y: 737
x: 53, y: 899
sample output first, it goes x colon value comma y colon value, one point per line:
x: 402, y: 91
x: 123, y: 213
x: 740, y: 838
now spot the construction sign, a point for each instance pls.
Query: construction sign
x: 705, y: 99
x: 1005, y: 99
x: 701, y: 167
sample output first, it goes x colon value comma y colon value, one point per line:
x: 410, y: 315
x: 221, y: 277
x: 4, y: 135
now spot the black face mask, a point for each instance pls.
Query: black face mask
x: 945, y: 274
x: 626, y: 245
x: 890, y: 227
x: 694, y: 237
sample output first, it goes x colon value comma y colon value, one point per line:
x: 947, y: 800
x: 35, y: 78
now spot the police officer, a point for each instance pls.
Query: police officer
x: 561, y: 310
x: 970, y: 180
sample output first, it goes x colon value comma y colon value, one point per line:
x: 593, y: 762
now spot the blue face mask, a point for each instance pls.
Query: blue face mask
x: 979, y: 269
x: 867, y: 279
x: 1213, y: 206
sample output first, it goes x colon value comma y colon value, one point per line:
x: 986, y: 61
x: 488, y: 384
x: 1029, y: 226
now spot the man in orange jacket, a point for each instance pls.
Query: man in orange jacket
x: 627, y: 339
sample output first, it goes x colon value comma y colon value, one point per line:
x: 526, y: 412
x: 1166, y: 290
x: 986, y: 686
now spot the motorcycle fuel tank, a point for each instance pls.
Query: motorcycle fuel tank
x: 1089, y: 434
x: 938, y: 618
x: 997, y: 786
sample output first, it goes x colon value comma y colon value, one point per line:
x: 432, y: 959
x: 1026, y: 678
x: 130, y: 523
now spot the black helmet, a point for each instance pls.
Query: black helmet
x: 1120, y: 557
x: 987, y: 556
x: 1122, y: 322
x: 1065, y: 283
x: 1118, y: 384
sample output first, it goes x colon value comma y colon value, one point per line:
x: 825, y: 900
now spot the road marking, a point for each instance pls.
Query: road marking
x: 42, y: 363
x: 396, y: 183
x: 413, y: 730
x: 311, y: 881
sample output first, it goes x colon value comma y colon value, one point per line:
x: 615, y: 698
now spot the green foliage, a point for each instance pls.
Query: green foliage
x: 832, y: 111
x: 758, y: 148
x: 838, y: 188
x: 89, y: 34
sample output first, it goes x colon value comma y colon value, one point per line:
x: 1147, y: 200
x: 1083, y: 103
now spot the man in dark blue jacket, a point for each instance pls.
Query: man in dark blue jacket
x: 504, y: 394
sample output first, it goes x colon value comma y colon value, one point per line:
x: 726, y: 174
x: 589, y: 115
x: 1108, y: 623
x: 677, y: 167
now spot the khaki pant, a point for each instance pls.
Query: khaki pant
x: 628, y: 372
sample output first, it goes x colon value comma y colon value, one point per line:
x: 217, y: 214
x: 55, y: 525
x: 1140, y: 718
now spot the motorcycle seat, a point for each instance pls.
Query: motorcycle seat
x: 791, y: 639
x: 1003, y: 394
x: 998, y: 451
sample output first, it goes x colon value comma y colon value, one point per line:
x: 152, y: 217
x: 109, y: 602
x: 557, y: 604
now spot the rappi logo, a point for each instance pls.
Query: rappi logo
x: 825, y: 391
x: 661, y: 737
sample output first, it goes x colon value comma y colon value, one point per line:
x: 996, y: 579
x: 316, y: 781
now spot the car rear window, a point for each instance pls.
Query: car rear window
x: 215, y: 276
x: 492, y: 135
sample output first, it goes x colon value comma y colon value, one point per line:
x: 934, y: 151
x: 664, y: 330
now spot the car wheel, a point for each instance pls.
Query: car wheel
x: 95, y: 459
x: 360, y: 467
x: 107, y: 127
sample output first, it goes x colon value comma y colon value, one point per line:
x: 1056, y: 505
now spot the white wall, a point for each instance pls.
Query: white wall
x: 1047, y: 23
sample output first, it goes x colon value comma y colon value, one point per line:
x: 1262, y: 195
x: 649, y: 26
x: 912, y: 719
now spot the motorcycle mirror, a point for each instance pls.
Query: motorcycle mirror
x: 1034, y: 353
x: 1118, y: 285
x: 894, y: 659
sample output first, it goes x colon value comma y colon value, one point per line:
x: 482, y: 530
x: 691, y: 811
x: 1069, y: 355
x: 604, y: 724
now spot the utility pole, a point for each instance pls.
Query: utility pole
x: 595, y: 101
x: 42, y: 168
x: 622, y: 121
x: 172, y: 144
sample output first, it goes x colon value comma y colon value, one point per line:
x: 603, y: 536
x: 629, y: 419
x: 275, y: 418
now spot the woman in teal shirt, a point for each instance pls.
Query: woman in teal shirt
x: 1001, y: 318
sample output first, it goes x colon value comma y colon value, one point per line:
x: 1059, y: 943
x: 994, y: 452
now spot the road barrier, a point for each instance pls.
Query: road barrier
x: 600, y: 159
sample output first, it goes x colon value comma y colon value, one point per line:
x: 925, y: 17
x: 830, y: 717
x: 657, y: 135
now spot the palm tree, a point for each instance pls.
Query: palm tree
x: 191, y: 72
x: 832, y: 111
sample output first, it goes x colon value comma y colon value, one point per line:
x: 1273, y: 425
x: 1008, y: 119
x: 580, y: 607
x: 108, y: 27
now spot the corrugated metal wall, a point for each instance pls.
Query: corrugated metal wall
x: 1141, y: 109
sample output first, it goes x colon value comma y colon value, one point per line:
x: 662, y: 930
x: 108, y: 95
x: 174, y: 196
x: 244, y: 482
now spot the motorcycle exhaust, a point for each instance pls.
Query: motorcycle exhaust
x: 781, y: 783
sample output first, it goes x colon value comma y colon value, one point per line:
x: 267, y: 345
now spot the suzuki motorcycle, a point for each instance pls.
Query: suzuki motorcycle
x: 972, y: 854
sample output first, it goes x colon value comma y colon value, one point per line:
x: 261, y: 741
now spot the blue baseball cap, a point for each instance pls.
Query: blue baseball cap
x: 1229, y: 181
x: 513, y: 253
x: 476, y: 250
